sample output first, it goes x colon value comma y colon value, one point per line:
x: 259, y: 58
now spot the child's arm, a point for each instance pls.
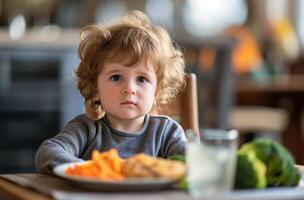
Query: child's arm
x: 175, y: 140
x: 51, y: 154
x: 67, y: 146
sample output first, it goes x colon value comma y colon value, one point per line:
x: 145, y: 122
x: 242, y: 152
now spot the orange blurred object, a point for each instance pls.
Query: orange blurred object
x: 246, y: 55
x: 105, y: 166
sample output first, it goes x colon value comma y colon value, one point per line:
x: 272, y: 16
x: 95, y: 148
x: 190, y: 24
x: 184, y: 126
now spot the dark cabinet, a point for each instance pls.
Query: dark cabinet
x: 37, y: 98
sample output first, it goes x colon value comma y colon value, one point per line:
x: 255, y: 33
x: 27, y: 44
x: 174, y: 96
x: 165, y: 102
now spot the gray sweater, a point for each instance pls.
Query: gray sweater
x: 160, y: 137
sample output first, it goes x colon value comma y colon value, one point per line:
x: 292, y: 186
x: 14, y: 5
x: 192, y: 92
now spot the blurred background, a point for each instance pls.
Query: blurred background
x: 247, y: 55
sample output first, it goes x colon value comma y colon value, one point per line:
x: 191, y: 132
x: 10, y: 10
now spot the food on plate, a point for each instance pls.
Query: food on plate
x: 279, y: 164
x: 183, y: 183
x: 110, y: 166
x: 142, y: 165
x: 106, y: 166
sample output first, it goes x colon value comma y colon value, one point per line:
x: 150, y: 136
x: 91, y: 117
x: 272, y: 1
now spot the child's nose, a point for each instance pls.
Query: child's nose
x: 129, y: 89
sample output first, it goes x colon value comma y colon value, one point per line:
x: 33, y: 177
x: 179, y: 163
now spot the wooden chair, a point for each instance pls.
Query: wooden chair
x: 185, y: 108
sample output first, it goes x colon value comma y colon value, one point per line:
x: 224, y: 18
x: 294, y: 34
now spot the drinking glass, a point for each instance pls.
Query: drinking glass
x: 211, y: 161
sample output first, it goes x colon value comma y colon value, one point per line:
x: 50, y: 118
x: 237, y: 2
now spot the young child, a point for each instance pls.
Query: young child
x: 127, y: 69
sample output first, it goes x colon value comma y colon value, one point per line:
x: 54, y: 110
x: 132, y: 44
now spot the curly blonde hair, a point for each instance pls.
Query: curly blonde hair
x: 128, y: 40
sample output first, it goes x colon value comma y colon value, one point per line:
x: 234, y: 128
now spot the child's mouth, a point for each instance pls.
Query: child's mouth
x: 128, y: 103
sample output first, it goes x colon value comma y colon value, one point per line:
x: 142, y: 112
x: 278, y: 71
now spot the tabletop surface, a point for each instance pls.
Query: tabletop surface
x: 46, y: 187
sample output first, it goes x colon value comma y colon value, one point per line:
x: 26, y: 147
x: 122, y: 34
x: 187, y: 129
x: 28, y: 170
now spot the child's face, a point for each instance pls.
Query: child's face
x: 127, y: 93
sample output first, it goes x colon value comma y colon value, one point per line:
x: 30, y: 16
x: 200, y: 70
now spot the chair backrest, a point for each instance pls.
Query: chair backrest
x: 184, y: 108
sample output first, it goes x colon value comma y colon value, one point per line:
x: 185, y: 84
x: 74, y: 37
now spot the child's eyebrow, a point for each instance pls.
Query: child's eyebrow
x: 146, y: 73
x: 113, y: 71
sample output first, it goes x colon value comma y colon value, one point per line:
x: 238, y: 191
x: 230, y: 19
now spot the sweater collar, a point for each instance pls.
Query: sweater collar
x: 128, y: 134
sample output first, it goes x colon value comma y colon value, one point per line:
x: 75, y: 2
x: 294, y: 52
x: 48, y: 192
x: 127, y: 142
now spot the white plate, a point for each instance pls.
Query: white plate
x: 134, y: 184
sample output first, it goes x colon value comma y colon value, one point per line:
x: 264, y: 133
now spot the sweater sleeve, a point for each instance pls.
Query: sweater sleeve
x: 65, y: 147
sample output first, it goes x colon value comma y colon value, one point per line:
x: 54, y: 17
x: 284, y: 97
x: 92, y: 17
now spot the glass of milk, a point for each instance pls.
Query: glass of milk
x: 211, y: 161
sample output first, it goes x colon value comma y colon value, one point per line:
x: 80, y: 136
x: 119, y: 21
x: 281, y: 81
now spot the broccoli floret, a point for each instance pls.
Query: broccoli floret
x: 250, y: 172
x: 280, y: 170
x: 179, y: 157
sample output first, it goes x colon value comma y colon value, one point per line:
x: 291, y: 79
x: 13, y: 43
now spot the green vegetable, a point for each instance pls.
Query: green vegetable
x: 280, y: 170
x: 182, y: 184
x: 178, y: 157
x: 250, y: 172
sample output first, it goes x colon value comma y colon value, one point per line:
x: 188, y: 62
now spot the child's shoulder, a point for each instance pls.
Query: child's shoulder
x: 82, y: 118
x: 164, y: 118
x: 82, y: 121
x: 164, y: 122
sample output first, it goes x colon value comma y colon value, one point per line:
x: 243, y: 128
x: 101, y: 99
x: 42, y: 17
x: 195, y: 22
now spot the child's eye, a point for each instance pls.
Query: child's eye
x: 116, y: 77
x: 142, y: 79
